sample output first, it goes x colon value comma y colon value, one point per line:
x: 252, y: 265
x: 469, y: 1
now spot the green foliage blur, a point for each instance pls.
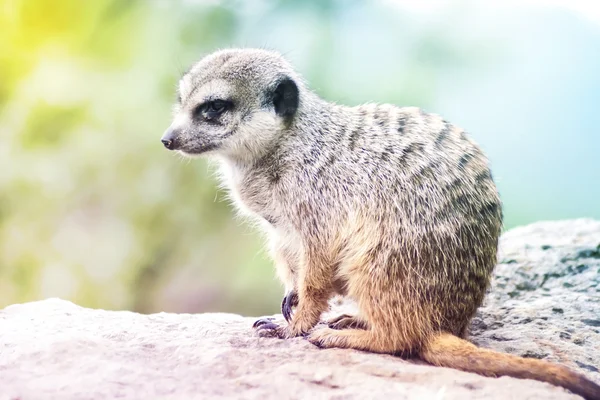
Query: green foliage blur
x: 93, y: 209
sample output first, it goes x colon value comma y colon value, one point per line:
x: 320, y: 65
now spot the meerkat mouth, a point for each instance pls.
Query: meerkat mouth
x: 198, y: 151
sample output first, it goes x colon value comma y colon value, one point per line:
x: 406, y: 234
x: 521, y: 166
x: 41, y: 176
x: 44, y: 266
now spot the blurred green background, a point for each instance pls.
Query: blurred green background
x: 94, y: 210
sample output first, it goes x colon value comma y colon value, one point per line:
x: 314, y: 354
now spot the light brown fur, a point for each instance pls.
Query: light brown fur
x: 393, y: 207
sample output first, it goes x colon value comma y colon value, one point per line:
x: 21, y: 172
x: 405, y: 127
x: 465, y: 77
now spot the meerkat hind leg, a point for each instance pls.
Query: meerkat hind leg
x: 346, y: 321
x: 365, y: 335
x: 359, y: 339
x: 392, y: 326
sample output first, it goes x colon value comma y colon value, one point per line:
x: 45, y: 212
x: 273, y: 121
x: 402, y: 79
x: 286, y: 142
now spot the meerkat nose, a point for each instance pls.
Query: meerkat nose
x: 167, y: 143
x: 169, y: 138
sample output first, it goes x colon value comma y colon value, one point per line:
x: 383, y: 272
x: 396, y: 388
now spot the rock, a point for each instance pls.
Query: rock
x: 544, y: 303
x: 545, y: 298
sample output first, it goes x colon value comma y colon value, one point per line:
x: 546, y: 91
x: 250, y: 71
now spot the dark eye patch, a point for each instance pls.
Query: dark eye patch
x: 212, y: 109
x: 216, y: 106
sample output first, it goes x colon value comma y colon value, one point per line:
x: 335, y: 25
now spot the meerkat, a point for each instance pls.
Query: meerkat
x: 394, y: 207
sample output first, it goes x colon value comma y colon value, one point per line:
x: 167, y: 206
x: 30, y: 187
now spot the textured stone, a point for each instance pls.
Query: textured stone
x: 544, y: 303
x: 545, y: 297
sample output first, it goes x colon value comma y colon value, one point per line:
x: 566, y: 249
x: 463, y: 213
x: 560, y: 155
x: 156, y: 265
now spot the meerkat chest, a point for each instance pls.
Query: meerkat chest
x: 252, y: 193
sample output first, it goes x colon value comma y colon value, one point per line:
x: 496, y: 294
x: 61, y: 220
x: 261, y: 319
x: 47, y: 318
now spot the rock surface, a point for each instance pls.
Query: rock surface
x: 544, y: 303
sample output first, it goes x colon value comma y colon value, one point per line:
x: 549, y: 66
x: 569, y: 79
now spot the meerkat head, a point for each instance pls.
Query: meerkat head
x: 234, y: 102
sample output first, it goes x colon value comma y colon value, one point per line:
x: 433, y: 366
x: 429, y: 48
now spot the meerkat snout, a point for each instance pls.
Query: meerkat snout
x: 169, y: 139
x: 167, y: 143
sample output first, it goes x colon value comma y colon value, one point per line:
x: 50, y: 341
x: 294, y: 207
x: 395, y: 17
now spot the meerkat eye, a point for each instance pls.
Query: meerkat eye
x: 213, y: 109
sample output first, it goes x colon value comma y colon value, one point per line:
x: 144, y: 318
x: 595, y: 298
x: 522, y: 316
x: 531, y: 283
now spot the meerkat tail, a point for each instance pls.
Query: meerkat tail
x: 446, y: 350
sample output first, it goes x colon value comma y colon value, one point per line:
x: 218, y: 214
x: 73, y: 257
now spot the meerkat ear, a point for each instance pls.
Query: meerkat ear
x: 285, y: 98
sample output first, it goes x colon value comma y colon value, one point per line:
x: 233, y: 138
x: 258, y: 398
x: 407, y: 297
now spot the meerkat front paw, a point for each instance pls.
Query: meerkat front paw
x: 267, y: 328
x: 299, y: 326
x: 289, y: 301
x: 263, y: 321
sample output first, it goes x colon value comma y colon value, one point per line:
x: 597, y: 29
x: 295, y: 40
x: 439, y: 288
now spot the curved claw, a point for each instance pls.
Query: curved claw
x: 288, y: 303
x: 262, y: 322
x: 269, y: 329
x: 267, y: 326
x: 317, y: 343
x: 284, y: 309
